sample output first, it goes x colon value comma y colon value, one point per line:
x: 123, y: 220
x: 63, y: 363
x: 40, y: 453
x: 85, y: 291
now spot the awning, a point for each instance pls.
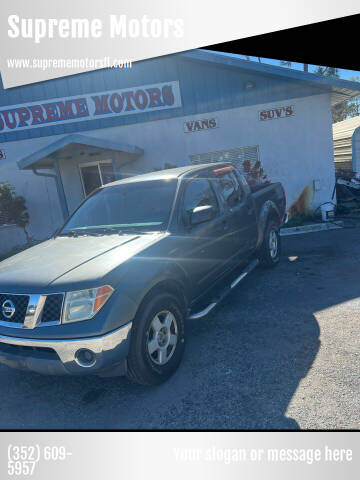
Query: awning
x: 42, y: 158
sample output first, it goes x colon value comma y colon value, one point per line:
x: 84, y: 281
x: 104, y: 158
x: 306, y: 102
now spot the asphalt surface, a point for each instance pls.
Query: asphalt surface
x: 281, y: 351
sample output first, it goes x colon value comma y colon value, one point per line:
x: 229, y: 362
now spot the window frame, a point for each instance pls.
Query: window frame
x: 93, y: 164
x: 182, y: 212
x: 241, y: 200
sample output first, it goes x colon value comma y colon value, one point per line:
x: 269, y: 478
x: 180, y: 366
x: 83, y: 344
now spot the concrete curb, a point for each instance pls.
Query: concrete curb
x: 315, y: 227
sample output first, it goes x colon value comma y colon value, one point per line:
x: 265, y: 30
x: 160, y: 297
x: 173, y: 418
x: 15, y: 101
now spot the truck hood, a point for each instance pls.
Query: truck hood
x: 63, y: 261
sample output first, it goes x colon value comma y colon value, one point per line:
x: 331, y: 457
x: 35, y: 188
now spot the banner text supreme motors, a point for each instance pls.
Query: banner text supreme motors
x: 90, y: 106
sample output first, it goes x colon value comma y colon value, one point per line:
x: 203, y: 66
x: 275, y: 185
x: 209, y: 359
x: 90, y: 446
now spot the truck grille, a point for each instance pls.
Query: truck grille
x: 20, y: 303
x: 52, y: 308
x: 51, y: 311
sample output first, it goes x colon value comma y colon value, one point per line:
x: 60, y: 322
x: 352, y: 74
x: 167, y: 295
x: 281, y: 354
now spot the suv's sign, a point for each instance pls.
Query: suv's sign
x: 276, y: 112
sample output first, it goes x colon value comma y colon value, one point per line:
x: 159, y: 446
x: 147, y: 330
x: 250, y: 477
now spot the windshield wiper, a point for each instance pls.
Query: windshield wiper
x: 68, y: 233
x: 105, y: 231
x: 139, y: 231
x: 78, y: 233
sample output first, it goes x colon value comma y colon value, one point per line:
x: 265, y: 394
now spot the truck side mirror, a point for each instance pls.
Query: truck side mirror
x: 202, y: 214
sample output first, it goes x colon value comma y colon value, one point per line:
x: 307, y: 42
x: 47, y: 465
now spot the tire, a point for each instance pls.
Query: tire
x: 269, y: 254
x: 153, y: 356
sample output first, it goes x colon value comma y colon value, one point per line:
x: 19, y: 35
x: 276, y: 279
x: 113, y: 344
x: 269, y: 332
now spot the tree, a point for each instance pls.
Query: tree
x: 327, y: 71
x: 347, y: 108
x: 285, y: 63
x: 13, y: 208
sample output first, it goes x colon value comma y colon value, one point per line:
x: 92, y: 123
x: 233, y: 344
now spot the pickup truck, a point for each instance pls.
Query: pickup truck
x: 111, y: 291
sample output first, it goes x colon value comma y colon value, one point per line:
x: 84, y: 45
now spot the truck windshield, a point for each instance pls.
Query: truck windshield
x: 143, y: 206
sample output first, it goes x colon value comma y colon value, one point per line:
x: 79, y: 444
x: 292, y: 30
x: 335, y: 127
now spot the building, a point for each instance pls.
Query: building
x: 61, y: 138
x: 346, y: 136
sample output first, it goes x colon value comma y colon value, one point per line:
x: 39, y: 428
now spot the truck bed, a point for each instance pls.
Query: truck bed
x: 270, y: 191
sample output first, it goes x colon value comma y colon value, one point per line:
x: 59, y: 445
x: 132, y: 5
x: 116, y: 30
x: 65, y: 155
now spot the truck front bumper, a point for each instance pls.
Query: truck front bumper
x: 105, y: 355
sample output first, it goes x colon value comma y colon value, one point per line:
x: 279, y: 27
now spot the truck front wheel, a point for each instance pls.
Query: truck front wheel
x: 270, y: 249
x: 157, y: 340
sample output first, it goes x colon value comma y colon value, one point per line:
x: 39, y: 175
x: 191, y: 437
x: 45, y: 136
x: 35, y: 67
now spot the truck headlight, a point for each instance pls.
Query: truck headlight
x: 84, y: 304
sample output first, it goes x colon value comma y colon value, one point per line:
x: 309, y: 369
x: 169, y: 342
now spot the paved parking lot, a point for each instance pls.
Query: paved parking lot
x: 281, y: 352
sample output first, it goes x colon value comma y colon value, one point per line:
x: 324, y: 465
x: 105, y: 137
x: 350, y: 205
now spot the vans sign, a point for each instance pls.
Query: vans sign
x: 200, y: 125
x: 276, y: 112
x: 91, y: 106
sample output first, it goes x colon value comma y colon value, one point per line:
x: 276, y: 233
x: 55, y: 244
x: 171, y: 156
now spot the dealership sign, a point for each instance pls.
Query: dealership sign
x: 201, y: 125
x: 132, y: 100
x: 276, y: 112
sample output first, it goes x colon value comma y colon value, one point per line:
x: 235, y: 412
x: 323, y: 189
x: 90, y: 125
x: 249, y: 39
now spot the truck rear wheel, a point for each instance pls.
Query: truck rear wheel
x: 270, y: 249
x: 157, y: 340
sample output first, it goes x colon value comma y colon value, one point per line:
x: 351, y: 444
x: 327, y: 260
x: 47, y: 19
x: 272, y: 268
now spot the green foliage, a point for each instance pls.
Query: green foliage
x: 347, y: 108
x: 327, y: 71
x: 13, y: 208
x: 285, y: 63
x: 342, y: 110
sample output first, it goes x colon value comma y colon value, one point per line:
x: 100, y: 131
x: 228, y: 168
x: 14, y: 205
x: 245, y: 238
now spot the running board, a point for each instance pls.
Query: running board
x: 224, y: 293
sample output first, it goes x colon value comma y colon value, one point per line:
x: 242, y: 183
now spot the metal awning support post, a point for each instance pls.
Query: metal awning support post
x: 60, y: 190
x: 59, y: 187
x: 115, y: 164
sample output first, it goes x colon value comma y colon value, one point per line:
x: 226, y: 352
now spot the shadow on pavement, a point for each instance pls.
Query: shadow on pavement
x: 242, y: 366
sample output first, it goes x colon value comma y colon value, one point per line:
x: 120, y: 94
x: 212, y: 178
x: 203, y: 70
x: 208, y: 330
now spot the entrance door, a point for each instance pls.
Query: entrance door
x: 95, y: 174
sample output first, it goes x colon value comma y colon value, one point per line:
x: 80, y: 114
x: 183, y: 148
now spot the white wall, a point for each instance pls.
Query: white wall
x: 294, y: 150
x: 11, y: 236
x: 40, y: 192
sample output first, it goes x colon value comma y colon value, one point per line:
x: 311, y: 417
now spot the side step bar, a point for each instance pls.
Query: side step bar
x: 225, y: 292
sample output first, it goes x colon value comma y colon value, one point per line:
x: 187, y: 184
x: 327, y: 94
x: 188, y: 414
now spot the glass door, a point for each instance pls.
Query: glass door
x: 95, y: 174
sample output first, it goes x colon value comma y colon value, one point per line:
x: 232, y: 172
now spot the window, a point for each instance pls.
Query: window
x: 241, y: 157
x: 230, y: 188
x: 198, y: 193
x: 95, y: 174
x: 144, y: 206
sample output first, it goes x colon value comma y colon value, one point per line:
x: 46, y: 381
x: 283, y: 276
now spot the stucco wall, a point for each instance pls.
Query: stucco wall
x: 296, y: 151
x: 11, y: 236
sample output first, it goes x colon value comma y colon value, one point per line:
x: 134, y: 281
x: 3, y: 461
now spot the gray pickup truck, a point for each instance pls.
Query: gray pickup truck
x: 111, y: 291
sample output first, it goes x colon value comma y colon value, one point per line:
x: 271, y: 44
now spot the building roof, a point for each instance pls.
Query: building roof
x: 340, y: 89
x: 209, y: 82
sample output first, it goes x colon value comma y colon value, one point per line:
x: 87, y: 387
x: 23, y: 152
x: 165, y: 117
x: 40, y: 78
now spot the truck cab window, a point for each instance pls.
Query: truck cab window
x: 230, y: 188
x: 198, y: 193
